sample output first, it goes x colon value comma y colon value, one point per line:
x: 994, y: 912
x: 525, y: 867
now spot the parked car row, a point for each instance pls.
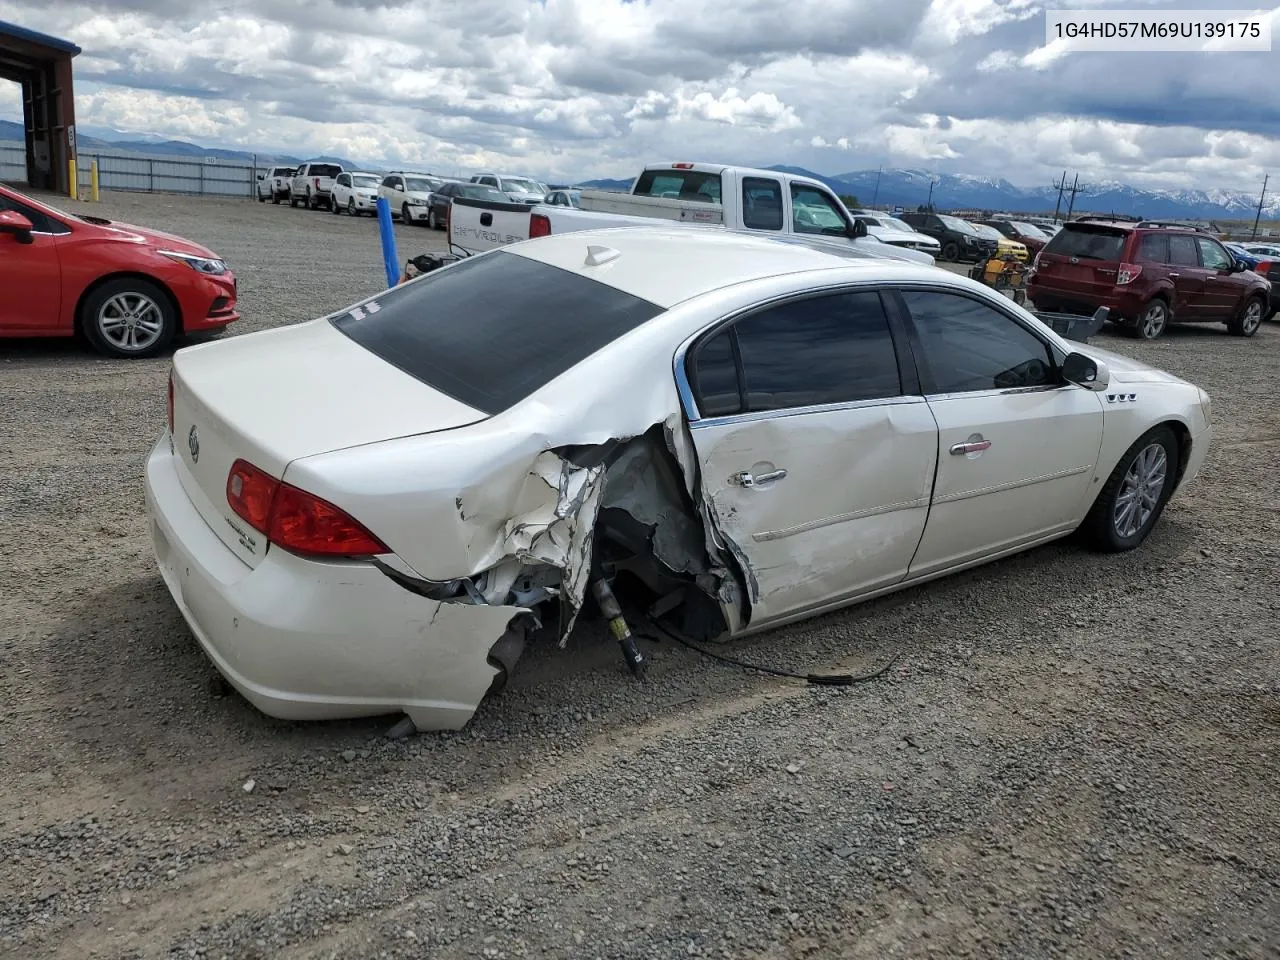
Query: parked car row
x: 413, y: 197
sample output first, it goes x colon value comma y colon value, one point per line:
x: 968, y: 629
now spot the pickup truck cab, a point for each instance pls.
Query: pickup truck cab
x: 274, y: 184
x: 697, y: 194
x: 313, y: 184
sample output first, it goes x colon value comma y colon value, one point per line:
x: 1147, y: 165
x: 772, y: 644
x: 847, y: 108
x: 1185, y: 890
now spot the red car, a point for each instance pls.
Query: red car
x: 1148, y: 274
x: 129, y: 290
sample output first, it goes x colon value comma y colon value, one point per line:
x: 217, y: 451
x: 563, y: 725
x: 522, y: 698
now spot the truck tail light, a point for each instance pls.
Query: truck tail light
x: 298, y: 521
x: 682, y: 166
x: 539, y: 225
x: 317, y: 180
x: 169, y: 403
x: 1128, y: 273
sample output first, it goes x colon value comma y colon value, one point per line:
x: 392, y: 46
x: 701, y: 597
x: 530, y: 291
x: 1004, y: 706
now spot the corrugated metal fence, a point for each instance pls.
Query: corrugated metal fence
x: 142, y: 173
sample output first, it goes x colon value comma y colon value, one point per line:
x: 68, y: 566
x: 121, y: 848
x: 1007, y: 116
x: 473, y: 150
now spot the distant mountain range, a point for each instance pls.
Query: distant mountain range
x: 112, y: 141
x: 910, y: 189
x: 894, y: 187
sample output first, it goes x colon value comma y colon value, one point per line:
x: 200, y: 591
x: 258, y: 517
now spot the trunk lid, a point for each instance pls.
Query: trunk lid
x: 273, y: 397
x: 1083, y: 258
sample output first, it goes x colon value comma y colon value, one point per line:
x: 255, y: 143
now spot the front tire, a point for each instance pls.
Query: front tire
x: 1135, y: 494
x: 1249, y: 319
x: 129, y: 318
x: 1152, y: 321
x: 951, y: 253
x: 404, y: 216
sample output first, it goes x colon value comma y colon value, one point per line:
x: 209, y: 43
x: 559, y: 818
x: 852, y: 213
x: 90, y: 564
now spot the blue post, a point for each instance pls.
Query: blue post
x: 390, y: 258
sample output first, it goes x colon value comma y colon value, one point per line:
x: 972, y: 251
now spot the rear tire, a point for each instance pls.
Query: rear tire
x: 129, y: 318
x: 1135, y: 494
x: 432, y: 223
x: 1152, y: 321
x: 1248, y: 321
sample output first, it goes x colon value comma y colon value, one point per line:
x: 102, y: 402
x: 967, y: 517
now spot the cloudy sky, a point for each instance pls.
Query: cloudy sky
x: 572, y: 89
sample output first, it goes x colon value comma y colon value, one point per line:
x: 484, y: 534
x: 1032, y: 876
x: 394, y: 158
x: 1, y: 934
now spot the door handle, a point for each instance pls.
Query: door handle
x: 1175, y: 276
x: 748, y: 479
x: 973, y: 446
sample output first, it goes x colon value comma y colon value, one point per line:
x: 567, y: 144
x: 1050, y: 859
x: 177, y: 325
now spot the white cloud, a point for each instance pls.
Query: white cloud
x: 570, y: 89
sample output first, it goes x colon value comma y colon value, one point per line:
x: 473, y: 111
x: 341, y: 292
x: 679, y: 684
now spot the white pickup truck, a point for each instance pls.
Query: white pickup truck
x: 313, y: 184
x: 698, y: 194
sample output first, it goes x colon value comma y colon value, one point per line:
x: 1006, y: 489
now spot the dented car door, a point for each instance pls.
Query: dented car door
x: 817, y: 453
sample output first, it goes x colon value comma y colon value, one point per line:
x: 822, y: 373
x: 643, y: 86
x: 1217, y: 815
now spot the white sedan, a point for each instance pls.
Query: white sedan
x: 370, y: 513
x: 355, y: 193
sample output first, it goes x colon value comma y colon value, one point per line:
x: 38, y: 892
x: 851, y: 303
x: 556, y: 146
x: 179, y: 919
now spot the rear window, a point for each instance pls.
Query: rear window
x: 1088, y: 243
x: 679, y: 185
x: 323, y: 170
x: 491, y: 330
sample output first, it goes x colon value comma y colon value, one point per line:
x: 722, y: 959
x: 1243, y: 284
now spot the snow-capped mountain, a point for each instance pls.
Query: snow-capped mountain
x: 910, y: 188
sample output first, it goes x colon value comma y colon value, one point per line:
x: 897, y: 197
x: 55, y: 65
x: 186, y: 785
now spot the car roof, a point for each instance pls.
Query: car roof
x: 708, y: 259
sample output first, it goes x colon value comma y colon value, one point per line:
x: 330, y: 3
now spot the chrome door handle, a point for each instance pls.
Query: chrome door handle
x: 747, y: 479
x: 1175, y: 276
x: 973, y: 446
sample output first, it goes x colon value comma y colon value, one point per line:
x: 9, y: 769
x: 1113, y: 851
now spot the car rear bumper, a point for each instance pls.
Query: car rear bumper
x: 1070, y: 298
x: 306, y: 640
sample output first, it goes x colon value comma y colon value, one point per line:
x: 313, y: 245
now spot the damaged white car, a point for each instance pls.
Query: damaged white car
x: 372, y: 512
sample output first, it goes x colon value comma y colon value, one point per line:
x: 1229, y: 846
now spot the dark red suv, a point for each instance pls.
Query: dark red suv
x: 1148, y: 274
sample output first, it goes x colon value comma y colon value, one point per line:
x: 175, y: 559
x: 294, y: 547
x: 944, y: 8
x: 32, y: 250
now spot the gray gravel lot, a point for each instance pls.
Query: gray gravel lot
x: 1075, y: 756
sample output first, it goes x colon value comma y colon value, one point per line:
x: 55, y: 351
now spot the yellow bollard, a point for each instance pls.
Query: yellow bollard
x: 93, y: 180
x: 73, y: 181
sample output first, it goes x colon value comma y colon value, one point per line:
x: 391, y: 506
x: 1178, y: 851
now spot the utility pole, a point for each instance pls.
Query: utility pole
x: 929, y: 204
x: 1060, y: 185
x: 1075, y: 188
x: 1261, y: 199
x: 877, y: 190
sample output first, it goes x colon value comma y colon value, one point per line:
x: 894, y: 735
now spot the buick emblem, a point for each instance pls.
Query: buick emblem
x: 193, y: 444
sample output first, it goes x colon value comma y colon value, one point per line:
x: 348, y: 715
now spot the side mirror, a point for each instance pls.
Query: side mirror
x: 858, y: 230
x: 16, y: 224
x: 1085, y: 372
x: 262, y: 176
x: 1237, y: 266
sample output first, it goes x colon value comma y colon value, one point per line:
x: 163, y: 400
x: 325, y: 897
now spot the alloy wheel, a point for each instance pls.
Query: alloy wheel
x: 1140, y: 491
x: 130, y: 322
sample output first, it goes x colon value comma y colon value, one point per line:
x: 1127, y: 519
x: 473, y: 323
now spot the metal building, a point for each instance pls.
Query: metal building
x: 42, y: 64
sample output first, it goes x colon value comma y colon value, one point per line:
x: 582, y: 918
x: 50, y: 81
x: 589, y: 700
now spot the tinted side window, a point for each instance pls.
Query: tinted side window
x: 761, y: 203
x: 971, y: 346
x: 822, y: 350
x: 1154, y: 247
x: 1212, y: 255
x: 715, y: 376
x: 1182, y: 251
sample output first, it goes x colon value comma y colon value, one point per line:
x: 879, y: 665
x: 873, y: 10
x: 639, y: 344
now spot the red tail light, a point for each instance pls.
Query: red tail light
x: 539, y: 225
x: 294, y: 519
x: 682, y: 166
x: 169, y: 403
x: 250, y: 492
x: 317, y: 183
x: 448, y: 222
x: 1128, y: 273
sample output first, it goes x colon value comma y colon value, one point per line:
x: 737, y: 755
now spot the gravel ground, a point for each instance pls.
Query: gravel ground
x: 1075, y: 756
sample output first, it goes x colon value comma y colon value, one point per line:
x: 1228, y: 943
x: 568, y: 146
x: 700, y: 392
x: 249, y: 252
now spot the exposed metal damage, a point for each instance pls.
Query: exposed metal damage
x: 621, y: 520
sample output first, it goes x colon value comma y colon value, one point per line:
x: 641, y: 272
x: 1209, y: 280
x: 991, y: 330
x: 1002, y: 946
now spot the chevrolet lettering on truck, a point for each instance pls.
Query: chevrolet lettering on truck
x: 705, y: 195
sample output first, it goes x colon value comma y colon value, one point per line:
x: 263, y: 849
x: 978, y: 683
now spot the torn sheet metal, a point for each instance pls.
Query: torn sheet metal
x: 558, y: 533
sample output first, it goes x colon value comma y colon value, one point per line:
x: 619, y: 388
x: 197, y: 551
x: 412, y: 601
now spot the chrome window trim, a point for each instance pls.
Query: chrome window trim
x: 685, y: 389
x: 757, y: 415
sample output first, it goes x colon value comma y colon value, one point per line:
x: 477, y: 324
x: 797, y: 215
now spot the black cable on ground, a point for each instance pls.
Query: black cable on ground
x: 816, y: 679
